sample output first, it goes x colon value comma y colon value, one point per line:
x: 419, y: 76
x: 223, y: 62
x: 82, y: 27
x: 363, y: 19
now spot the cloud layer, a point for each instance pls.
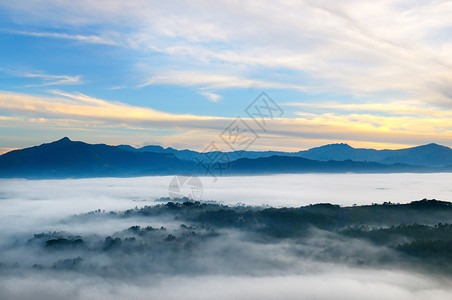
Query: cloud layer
x: 377, y: 74
x: 230, y: 264
x: 363, y: 125
x: 356, y: 48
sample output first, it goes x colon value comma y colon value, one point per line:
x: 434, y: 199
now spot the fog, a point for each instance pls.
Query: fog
x: 335, y: 284
x: 40, y: 203
x: 192, y: 261
x: 274, y: 190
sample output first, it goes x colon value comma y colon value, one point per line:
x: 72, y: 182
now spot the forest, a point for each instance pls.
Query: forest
x: 417, y: 236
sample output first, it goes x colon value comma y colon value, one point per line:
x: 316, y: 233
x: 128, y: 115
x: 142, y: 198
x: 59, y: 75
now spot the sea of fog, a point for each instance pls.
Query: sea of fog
x: 33, y: 206
x: 71, y: 196
x: 41, y: 203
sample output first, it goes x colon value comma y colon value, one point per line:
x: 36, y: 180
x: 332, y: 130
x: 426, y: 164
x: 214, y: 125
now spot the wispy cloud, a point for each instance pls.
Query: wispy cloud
x: 76, y: 110
x: 352, y: 48
x: 48, y: 80
x: 76, y: 37
x: 388, y: 108
x: 211, y: 96
x: 80, y: 106
x: 209, y: 82
x: 43, y: 79
x: 389, y: 59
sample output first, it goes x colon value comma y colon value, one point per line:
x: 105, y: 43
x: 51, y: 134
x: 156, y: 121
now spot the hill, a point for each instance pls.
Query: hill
x: 431, y: 155
x: 69, y: 159
x: 66, y: 158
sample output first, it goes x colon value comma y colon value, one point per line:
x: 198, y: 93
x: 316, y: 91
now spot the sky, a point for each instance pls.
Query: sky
x: 178, y: 73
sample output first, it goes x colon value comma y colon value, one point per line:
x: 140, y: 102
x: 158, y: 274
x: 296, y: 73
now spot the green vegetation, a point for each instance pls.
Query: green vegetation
x: 418, y: 235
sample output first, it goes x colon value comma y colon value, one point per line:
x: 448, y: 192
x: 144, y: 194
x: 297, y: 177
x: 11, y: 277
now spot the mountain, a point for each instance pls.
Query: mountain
x: 343, y: 152
x: 286, y: 164
x: 205, y: 156
x: 431, y: 155
x: 66, y: 158
x: 427, y: 155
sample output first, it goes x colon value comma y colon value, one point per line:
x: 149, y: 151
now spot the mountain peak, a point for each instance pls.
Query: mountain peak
x: 64, y: 140
x: 337, y: 145
x: 432, y: 146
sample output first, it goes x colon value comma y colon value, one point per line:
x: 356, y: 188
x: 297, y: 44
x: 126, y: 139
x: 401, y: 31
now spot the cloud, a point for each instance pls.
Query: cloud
x: 54, y: 79
x: 211, y: 96
x: 69, y: 111
x: 348, y: 284
x: 390, y: 108
x: 77, y: 105
x: 309, y: 267
x: 45, y: 79
x: 388, y: 124
x: 207, y: 82
x: 214, y: 81
x: 361, y: 49
x: 76, y: 37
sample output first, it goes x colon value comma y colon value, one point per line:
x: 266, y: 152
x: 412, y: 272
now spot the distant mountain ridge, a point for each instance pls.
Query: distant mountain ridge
x: 288, y: 164
x: 65, y: 158
x: 69, y: 159
x: 430, y: 155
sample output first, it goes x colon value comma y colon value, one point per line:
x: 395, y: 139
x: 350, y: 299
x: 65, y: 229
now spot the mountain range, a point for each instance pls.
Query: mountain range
x: 65, y: 158
x: 431, y: 155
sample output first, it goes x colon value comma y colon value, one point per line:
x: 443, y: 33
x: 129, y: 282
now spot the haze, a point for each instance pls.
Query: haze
x: 231, y: 266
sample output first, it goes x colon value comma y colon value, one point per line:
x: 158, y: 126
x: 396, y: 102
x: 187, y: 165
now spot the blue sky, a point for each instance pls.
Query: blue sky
x: 176, y: 73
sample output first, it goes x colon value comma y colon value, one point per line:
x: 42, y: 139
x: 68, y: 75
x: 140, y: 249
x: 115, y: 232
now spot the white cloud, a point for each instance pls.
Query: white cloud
x: 216, y: 81
x: 48, y: 80
x: 354, y: 48
x: 44, y: 78
x: 76, y: 37
x: 230, y: 266
x: 77, y: 106
x: 211, y: 96
x: 69, y: 111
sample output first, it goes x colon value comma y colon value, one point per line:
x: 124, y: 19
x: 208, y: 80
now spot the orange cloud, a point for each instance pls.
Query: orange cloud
x: 62, y: 112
